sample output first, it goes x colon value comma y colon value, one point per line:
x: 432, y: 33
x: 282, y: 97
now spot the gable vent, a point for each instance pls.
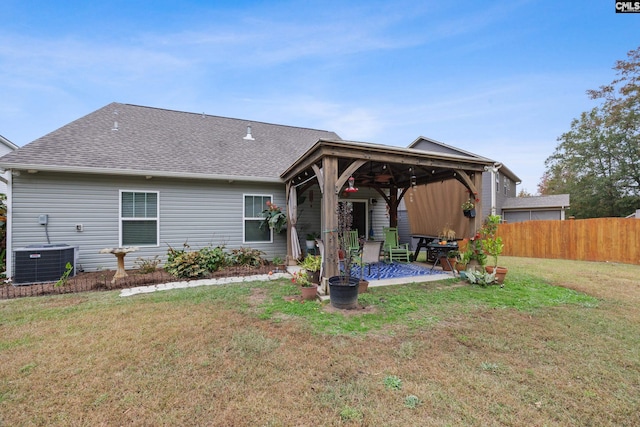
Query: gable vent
x: 248, y: 136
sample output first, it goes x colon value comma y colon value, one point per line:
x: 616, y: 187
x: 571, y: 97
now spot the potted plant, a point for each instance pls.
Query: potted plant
x: 312, y: 264
x: 309, y: 290
x: 363, y: 284
x: 343, y: 289
x: 468, y: 209
x: 493, y: 246
x: 274, y: 218
x: 279, y: 264
x: 446, y: 234
x: 475, y: 255
x: 450, y: 261
x: 462, y: 260
x: 311, y: 240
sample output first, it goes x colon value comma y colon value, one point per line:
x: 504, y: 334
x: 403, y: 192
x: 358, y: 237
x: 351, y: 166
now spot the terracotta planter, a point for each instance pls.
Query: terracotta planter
x: 363, y: 286
x: 309, y: 292
x: 473, y: 265
x: 501, y: 272
x: 460, y: 266
x: 445, y: 265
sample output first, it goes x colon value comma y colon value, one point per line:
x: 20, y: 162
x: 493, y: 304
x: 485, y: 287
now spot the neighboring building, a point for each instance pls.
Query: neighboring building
x: 6, y: 146
x: 520, y: 209
x: 636, y: 214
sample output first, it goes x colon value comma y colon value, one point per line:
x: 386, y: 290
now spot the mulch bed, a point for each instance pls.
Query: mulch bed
x: 101, y: 281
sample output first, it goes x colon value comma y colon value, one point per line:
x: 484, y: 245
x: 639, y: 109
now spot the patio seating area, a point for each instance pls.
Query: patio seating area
x: 398, y: 270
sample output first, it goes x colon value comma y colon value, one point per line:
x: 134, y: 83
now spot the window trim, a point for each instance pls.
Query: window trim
x: 245, y: 218
x: 156, y: 218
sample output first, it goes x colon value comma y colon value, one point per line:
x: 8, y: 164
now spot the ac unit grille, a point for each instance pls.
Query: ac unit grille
x: 42, y: 263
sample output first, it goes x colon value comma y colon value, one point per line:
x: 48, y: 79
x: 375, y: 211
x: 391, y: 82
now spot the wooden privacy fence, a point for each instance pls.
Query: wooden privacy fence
x: 597, y: 239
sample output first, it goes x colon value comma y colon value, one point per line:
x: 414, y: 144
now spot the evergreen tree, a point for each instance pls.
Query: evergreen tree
x: 598, y: 160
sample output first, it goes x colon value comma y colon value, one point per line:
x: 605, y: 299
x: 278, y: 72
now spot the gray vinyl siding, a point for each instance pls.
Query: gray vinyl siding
x: 309, y: 214
x: 520, y: 216
x: 487, y: 184
x: 195, y: 212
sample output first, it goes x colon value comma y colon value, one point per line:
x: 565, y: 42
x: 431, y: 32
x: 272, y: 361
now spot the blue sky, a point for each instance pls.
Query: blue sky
x: 502, y: 79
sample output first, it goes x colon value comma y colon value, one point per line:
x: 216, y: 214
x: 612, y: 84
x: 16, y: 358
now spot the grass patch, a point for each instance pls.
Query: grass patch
x: 420, y: 305
x: 558, y: 345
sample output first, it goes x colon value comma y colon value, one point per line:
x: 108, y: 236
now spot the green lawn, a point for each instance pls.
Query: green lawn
x: 558, y: 345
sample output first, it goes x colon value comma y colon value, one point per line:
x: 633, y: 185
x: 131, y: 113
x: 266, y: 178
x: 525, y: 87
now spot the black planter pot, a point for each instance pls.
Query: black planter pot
x: 343, y: 295
x: 470, y: 213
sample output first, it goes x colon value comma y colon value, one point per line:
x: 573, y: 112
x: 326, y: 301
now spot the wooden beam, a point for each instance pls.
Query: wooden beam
x: 354, y: 166
x: 318, y: 171
x: 330, y: 217
x: 476, y: 191
x: 467, y: 181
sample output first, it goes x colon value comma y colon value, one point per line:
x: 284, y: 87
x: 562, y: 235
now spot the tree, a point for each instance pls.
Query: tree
x: 524, y: 193
x: 598, y: 160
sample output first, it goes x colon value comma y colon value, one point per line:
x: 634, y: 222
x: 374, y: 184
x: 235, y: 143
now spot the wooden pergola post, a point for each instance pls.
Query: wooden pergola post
x: 477, y: 184
x: 330, y: 216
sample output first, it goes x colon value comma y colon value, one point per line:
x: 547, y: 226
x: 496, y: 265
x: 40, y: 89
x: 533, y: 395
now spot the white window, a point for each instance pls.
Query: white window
x: 506, y: 186
x: 497, y: 182
x: 254, y: 204
x: 139, y: 218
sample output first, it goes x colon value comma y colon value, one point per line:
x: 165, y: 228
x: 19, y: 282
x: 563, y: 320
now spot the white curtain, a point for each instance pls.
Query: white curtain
x: 293, y: 214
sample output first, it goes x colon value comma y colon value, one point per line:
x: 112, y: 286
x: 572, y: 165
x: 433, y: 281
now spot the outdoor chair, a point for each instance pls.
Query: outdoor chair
x: 353, y: 243
x: 393, y: 249
x: 370, y: 255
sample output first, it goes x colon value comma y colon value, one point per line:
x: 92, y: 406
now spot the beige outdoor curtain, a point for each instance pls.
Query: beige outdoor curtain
x: 293, y: 220
x: 438, y: 205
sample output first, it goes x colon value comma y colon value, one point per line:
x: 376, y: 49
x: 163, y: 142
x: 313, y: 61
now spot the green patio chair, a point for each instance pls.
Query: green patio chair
x: 393, y: 249
x: 353, y: 243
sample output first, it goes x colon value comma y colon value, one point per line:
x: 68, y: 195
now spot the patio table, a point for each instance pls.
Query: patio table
x: 423, y: 241
x: 442, y: 250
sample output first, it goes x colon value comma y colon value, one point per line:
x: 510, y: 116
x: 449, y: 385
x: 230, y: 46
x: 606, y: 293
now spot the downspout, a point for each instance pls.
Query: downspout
x: 494, y: 170
x: 8, y: 175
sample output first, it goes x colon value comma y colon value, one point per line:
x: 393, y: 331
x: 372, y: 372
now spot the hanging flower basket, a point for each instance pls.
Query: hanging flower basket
x: 274, y: 218
x: 468, y: 209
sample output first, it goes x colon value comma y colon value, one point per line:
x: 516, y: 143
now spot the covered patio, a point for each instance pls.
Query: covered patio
x: 389, y: 171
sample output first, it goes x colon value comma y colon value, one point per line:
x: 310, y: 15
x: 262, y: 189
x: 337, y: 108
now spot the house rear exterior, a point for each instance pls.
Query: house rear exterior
x: 150, y: 178
x: 128, y: 175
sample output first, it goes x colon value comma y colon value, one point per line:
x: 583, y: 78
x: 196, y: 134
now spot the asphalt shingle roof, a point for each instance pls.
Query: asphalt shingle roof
x: 166, y: 141
x: 537, y: 202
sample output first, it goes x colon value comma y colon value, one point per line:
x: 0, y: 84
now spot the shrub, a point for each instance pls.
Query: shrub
x: 247, y: 256
x: 147, y: 265
x: 184, y: 264
x: 214, y: 258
